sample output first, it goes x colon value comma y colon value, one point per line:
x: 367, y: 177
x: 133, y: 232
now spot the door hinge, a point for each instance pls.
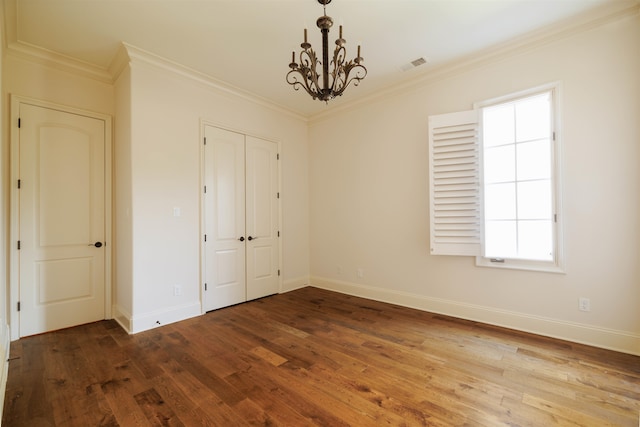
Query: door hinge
x: 205, y: 237
x: 19, y: 184
x: 18, y: 244
x: 18, y: 305
x: 278, y: 156
x: 19, y: 122
x: 553, y: 135
x: 278, y: 272
x: 205, y: 286
x: 555, y: 217
x: 205, y: 140
x: 278, y: 233
x: 278, y: 194
x: 205, y: 189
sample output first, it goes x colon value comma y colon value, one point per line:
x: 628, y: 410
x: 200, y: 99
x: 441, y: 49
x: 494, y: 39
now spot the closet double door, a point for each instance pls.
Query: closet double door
x: 241, y: 211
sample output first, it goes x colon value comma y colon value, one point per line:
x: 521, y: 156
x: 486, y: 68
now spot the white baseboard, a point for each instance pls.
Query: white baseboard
x: 123, y: 318
x: 144, y: 322
x: 293, y: 284
x: 5, y: 342
x: 610, y: 339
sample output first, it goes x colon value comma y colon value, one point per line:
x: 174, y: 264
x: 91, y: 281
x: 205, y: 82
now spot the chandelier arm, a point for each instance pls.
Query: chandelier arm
x: 360, y: 73
x: 310, y: 60
x: 306, y: 70
x: 339, y: 55
x: 292, y: 79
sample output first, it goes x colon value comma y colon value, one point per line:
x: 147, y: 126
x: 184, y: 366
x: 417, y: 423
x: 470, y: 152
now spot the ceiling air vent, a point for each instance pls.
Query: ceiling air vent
x: 413, y: 64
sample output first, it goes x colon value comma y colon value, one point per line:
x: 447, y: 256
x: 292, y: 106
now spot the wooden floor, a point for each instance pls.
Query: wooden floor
x: 313, y: 357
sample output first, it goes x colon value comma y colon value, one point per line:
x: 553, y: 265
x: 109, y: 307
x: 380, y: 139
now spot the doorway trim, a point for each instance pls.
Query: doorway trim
x: 203, y: 124
x: 14, y: 210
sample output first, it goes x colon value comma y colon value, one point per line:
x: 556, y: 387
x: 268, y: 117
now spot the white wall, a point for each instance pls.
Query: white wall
x: 157, y: 123
x: 4, y: 231
x: 33, y: 79
x: 369, y: 195
x: 167, y: 110
x: 123, y: 232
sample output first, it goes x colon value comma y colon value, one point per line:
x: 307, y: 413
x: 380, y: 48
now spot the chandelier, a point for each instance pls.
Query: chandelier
x: 334, y: 80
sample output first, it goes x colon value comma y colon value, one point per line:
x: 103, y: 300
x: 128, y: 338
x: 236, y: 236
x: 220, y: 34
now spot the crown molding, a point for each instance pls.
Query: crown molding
x: 58, y: 61
x: 119, y: 62
x: 123, y: 58
x: 126, y: 55
x: 43, y: 56
x: 138, y: 55
x: 595, y: 18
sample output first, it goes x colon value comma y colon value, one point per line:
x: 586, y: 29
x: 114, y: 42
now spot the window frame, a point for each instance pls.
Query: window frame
x: 456, y: 184
x: 556, y: 265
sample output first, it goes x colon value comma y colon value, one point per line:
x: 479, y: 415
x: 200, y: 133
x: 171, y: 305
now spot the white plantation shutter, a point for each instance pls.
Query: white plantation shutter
x: 454, y: 184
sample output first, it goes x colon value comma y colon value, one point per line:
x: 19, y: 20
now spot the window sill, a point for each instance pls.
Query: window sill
x: 522, y: 264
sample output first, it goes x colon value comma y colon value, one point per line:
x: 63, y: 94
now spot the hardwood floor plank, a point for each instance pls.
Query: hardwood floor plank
x: 313, y: 357
x: 277, y: 410
x: 31, y: 401
x: 158, y: 413
x: 566, y: 415
x: 214, y: 383
x: 185, y: 407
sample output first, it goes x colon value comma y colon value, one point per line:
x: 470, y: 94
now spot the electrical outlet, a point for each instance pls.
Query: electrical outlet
x: 584, y: 304
x: 177, y: 290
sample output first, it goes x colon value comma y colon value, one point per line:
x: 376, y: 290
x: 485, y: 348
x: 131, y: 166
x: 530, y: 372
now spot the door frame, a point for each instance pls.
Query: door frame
x: 204, y: 123
x: 14, y: 210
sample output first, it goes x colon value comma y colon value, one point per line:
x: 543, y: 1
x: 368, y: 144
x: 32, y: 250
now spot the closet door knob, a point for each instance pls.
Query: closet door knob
x: 242, y: 238
x: 251, y: 238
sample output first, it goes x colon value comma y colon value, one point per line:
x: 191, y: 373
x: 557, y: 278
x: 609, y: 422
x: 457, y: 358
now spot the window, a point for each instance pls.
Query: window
x: 493, y: 182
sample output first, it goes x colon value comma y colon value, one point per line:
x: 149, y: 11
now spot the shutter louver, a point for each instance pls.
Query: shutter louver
x: 454, y: 172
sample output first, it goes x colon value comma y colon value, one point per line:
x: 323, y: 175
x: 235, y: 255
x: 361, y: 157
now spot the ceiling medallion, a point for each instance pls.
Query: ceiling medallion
x: 334, y: 81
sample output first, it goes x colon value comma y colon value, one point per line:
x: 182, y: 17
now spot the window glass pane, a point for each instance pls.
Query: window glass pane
x: 534, y: 160
x: 518, y: 179
x: 500, y: 239
x: 500, y: 164
x: 500, y: 201
x: 535, y: 240
x: 533, y: 118
x: 498, y: 125
x: 534, y: 200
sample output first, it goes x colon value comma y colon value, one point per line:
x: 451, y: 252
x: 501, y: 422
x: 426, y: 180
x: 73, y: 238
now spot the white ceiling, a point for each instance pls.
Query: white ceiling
x: 248, y: 43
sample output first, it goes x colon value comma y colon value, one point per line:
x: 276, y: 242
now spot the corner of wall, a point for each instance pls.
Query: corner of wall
x: 147, y: 321
x: 122, y: 317
x: 293, y: 284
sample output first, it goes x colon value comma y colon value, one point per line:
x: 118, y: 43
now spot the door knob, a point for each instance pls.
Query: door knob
x: 242, y: 238
x: 251, y: 238
x: 96, y: 244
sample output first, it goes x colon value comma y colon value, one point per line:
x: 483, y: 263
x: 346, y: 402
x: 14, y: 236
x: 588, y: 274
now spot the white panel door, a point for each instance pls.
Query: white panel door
x: 62, y: 219
x: 262, y: 217
x: 241, y: 210
x: 224, y: 219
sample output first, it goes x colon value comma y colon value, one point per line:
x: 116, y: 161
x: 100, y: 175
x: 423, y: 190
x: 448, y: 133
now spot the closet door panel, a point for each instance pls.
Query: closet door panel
x: 262, y: 217
x: 224, y: 210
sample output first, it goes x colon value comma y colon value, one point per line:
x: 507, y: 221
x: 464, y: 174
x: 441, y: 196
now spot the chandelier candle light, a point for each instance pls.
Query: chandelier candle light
x: 334, y: 82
